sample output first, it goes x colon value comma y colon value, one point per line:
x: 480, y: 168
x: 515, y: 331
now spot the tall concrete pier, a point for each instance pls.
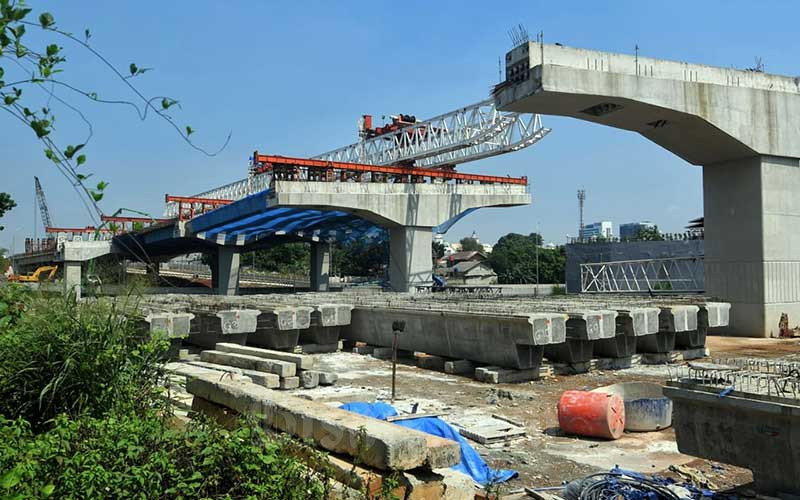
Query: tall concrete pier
x: 741, y: 126
x: 409, y: 211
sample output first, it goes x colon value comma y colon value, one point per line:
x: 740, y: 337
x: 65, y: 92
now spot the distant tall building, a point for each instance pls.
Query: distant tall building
x: 630, y: 230
x: 602, y: 229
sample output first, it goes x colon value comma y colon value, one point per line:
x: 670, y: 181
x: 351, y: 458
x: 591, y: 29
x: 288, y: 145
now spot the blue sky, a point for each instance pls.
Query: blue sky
x: 292, y: 78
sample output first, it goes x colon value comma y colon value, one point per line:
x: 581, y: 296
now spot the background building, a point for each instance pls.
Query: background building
x: 602, y: 229
x: 630, y: 230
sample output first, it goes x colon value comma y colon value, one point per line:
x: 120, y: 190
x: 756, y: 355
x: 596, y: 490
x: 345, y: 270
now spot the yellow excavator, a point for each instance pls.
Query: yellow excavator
x: 36, y: 276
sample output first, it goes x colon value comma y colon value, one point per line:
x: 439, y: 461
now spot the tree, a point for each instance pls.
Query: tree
x: 24, y: 68
x: 361, y: 257
x: 514, y: 258
x: 6, y: 204
x: 649, y: 234
x: 437, y: 250
x: 288, y: 258
x: 470, y: 245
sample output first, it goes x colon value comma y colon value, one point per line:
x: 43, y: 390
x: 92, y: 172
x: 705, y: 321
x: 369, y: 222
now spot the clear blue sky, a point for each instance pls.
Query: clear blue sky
x: 293, y: 78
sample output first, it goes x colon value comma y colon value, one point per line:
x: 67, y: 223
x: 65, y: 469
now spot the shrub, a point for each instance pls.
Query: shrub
x: 13, y: 299
x: 63, y: 357
x: 124, y: 456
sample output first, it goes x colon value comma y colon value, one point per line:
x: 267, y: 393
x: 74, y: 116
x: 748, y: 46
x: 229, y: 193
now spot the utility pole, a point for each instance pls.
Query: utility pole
x: 397, y: 328
x: 538, y: 237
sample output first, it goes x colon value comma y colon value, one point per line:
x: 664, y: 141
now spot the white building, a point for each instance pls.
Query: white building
x: 595, y: 230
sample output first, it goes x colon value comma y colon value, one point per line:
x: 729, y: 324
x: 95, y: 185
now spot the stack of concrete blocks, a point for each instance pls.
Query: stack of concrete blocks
x: 290, y: 370
x: 420, y: 460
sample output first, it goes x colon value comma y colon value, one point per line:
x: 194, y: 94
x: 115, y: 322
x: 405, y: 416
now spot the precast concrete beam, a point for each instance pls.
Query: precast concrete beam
x: 232, y: 325
x: 512, y: 341
x: 376, y: 443
x: 173, y: 325
x: 584, y: 328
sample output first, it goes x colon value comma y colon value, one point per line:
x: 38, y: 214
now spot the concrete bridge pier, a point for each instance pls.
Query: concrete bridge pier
x: 320, y: 266
x: 225, y: 271
x: 409, y: 211
x: 72, y: 278
x: 752, y: 246
x: 740, y: 126
x: 410, y: 257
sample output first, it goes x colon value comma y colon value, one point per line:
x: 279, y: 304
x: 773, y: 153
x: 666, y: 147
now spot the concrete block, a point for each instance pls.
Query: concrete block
x: 309, y: 379
x: 281, y: 368
x: 302, y: 361
x: 339, y: 395
x: 499, y: 375
x: 325, y: 378
x: 363, y: 349
x: 759, y: 433
x: 190, y: 371
x: 387, y: 445
x: 382, y: 353
x: 429, y: 361
x: 459, y: 367
x: 269, y: 380
x: 183, y: 354
x: 289, y: 383
x: 319, y: 348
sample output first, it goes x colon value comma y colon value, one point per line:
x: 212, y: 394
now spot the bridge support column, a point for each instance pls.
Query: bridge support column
x: 752, y: 241
x: 225, y: 271
x: 320, y: 266
x: 72, y: 278
x: 410, y: 262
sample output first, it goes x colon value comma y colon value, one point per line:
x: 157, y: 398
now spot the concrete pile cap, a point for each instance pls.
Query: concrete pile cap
x: 385, y: 446
x: 302, y: 361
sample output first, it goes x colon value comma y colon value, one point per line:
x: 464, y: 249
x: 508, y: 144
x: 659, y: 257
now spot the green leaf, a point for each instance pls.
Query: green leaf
x: 46, y: 19
x: 19, y: 14
x: 52, y: 49
x: 87, y: 35
x: 133, y: 69
x: 48, y: 490
x: 189, y: 131
x: 81, y: 159
x: 97, y: 196
x: 10, y: 479
x: 102, y: 185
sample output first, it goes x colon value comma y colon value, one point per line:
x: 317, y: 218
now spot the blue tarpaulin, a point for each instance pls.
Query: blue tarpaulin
x: 471, y: 462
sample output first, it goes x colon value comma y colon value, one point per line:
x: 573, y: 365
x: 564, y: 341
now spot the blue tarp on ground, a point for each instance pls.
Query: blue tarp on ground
x: 471, y: 462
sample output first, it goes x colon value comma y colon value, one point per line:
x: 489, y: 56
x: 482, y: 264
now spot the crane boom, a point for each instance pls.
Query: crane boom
x: 42, y: 202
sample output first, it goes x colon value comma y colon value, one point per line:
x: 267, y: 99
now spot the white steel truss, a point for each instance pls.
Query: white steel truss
x: 466, y: 134
x: 471, y: 133
x: 676, y: 274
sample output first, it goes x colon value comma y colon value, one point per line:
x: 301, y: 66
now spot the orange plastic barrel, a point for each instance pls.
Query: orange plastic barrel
x: 592, y: 414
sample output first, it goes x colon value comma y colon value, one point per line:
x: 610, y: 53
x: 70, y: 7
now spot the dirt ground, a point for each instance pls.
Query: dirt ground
x: 545, y: 456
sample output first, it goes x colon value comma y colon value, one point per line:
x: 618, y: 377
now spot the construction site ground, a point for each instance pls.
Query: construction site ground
x: 545, y: 456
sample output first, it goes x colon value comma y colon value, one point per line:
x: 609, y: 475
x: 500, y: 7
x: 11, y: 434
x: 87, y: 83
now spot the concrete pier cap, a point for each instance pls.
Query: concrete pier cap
x: 741, y: 126
x: 409, y: 211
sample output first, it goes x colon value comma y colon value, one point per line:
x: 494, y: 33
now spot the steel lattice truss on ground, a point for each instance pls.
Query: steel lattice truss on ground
x: 677, y: 274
